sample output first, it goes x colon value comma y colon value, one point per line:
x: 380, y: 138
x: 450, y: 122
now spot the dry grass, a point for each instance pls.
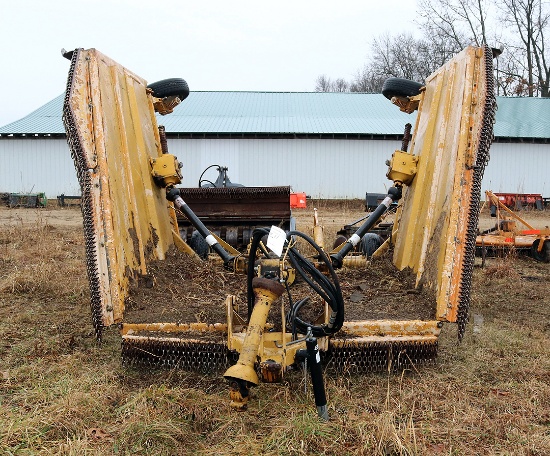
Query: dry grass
x: 62, y: 394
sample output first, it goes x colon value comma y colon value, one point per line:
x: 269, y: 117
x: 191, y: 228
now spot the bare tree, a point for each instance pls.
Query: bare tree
x: 448, y: 27
x: 530, y: 19
x: 524, y: 68
x: 395, y: 56
x: 405, y: 56
x: 367, y: 80
x: 510, y: 77
x: 340, y: 85
x: 401, y: 56
x: 323, y: 84
x: 466, y: 22
x: 459, y: 22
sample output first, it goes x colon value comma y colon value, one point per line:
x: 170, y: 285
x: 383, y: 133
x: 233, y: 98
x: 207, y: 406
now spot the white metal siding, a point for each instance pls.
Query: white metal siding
x: 518, y: 168
x: 37, y: 165
x: 325, y: 168
x: 322, y: 168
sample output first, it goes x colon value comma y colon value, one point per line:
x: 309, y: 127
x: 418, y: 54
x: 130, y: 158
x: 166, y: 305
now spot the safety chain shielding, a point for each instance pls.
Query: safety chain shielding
x: 481, y: 160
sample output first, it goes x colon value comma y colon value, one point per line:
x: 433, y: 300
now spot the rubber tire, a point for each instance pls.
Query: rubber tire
x: 370, y: 243
x: 170, y: 87
x: 544, y: 254
x: 399, y: 87
x: 199, y: 245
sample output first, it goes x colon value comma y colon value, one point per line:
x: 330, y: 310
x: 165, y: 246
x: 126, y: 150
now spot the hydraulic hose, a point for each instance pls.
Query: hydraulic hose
x: 201, y: 180
x: 328, y: 290
x: 316, y: 371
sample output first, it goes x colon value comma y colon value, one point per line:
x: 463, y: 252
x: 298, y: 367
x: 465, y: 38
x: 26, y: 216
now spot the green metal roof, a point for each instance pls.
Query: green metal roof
x: 298, y: 113
x: 271, y: 112
x: 523, y: 117
x: 45, y: 120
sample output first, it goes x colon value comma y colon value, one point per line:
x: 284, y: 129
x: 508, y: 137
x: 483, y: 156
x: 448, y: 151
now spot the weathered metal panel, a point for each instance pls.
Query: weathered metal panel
x: 113, y: 135
x: 354, y: 167
x: 299, y: 112
x: 37, y: 165
x: 436, y: 217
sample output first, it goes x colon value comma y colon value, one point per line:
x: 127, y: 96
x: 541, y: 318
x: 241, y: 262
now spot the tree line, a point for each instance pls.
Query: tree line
x: 519, y: 29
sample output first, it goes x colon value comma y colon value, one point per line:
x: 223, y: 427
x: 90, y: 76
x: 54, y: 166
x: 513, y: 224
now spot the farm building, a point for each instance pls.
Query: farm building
x: 327, y: 145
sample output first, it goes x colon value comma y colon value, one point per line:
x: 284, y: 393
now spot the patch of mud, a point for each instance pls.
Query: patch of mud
x: 380, y: 291
x: 182, y: 289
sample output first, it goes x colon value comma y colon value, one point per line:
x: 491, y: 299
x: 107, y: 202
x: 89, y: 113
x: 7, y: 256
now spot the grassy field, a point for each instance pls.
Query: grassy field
x: 61, y: 393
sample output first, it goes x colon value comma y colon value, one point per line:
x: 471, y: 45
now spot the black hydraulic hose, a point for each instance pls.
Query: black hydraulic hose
x: 200, y: 178
x: 394, y: 194
x: 329, y: 291
x: 303, y: 269
x: 173, y: 195
x: 292, y: 315
x: 207, y: 181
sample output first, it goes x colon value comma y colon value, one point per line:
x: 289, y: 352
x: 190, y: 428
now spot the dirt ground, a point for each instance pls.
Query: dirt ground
x: 333, y: 215
x: 52, y: 215
x: 191, y: 290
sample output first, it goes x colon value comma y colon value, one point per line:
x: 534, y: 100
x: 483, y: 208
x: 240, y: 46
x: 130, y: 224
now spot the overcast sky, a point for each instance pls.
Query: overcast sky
x: 214, y: 45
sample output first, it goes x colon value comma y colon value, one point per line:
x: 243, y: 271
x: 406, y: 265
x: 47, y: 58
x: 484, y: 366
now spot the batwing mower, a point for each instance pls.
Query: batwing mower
x: 130, y: 196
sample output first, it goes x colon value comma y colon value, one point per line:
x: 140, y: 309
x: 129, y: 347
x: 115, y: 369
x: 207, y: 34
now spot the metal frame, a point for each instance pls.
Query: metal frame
x: 113, y: 133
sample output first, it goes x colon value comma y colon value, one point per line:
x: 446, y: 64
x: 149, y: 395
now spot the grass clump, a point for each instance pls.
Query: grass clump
x: 60, y: 393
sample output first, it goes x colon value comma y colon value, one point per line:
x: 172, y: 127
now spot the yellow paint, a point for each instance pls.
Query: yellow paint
x: 402, y: 167
x: 433, y: 217
x: 135, y: 224
x: 135, y: 328
x: 392, y: 328
x: 354, y: 261
x: 166, y: 169
x: 133, y: 220
x: 265, y: 292
x: 182, y: 245
x: 318, y: 230
x: 365, y: 341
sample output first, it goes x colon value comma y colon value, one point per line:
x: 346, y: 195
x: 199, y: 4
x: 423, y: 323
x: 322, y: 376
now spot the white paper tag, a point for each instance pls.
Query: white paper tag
x: 276, y: 240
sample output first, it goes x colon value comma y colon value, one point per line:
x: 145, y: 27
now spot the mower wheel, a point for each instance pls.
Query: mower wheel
x: 370, y: 243
x: 544, y: 254
x: 199, y: 245
x: 399, y: 87
x: 170, y: 87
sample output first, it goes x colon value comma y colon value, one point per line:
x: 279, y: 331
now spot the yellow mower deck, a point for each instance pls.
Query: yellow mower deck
x: 128, y: 223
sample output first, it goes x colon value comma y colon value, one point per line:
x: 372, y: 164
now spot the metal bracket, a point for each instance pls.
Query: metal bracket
x: 408, y: 104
